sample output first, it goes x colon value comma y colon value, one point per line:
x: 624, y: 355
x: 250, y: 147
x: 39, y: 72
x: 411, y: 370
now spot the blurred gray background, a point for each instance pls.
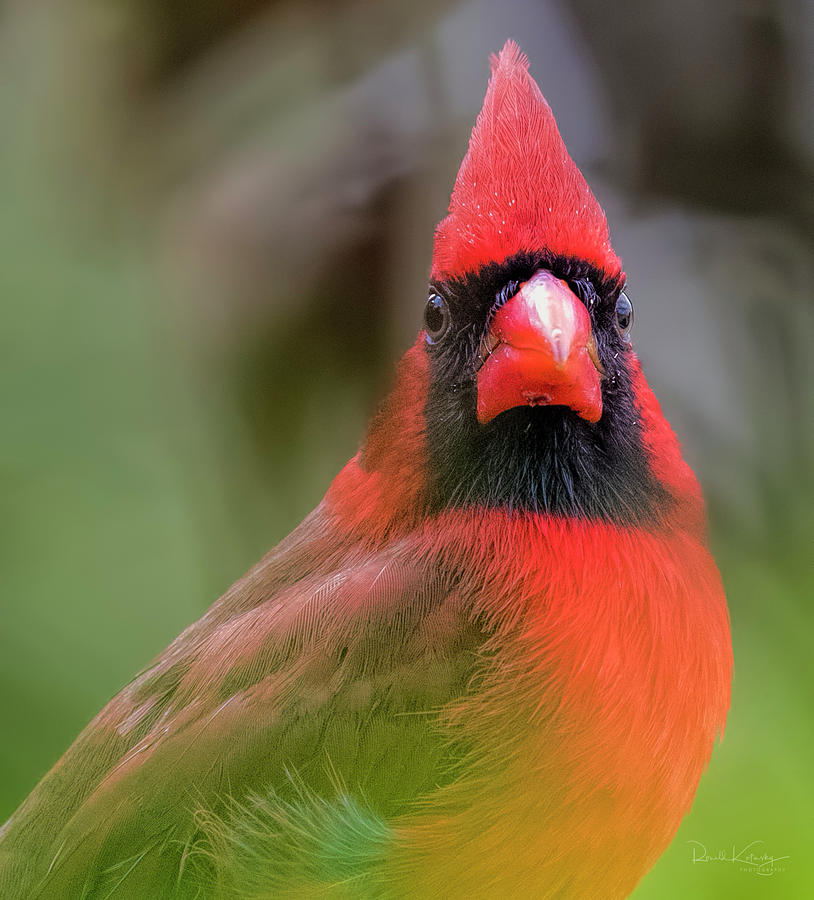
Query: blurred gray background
x: 216, y: 226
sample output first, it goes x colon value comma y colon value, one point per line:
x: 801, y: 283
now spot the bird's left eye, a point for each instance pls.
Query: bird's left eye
x: 436, y: 318
x: 624, y: 315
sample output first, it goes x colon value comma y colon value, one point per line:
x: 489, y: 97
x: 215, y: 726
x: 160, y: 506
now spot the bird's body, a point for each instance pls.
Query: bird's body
x: 491, y: 663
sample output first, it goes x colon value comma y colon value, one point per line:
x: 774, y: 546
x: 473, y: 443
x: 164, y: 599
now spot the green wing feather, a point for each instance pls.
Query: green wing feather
x: 263, y: 753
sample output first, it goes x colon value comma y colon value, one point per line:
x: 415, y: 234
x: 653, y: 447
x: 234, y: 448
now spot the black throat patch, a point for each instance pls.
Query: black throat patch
x: 543, y: 459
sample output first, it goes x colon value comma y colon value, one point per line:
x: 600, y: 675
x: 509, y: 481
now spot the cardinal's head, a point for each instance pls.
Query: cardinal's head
x: 523, y: 391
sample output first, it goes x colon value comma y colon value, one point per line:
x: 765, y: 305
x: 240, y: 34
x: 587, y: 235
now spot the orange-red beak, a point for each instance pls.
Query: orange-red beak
x: 540, y: 351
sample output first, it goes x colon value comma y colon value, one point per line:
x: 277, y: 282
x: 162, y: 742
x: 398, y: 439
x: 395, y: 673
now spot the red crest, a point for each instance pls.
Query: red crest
x: 517, y: 188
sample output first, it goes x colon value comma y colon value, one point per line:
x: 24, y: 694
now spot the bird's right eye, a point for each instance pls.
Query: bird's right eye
x: 624, y: 316
x: 436, y: 318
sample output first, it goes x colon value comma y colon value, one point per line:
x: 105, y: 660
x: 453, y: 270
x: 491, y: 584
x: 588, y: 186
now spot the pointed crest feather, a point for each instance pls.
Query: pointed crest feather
x: 517, y: 188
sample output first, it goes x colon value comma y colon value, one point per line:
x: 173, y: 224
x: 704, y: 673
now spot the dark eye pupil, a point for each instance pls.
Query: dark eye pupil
x: 436, y: 317
x: 624, y: 313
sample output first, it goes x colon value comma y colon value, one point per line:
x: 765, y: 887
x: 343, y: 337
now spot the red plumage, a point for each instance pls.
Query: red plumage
x: 611, y: 671
x: 621, y: 658
x: 495, y: 659
x: 517, y: 188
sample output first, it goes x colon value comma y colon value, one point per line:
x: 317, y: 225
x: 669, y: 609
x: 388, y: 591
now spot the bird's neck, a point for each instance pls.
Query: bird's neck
x: 390, y: 487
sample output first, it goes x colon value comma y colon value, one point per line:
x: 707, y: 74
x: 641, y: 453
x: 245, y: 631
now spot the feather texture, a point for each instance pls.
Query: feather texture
x: 491, y: 663
x: 468, y: 687
x: 518, y: 190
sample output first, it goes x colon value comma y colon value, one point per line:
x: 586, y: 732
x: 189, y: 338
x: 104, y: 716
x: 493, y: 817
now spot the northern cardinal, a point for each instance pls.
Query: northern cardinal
x: 491, y: 663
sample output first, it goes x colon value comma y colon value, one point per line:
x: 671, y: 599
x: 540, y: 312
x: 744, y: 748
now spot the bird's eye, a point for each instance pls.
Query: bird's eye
x: 436, y: 318
x: 624, y: 315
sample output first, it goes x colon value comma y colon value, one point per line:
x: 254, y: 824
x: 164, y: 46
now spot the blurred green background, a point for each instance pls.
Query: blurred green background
x: 216, y: 223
